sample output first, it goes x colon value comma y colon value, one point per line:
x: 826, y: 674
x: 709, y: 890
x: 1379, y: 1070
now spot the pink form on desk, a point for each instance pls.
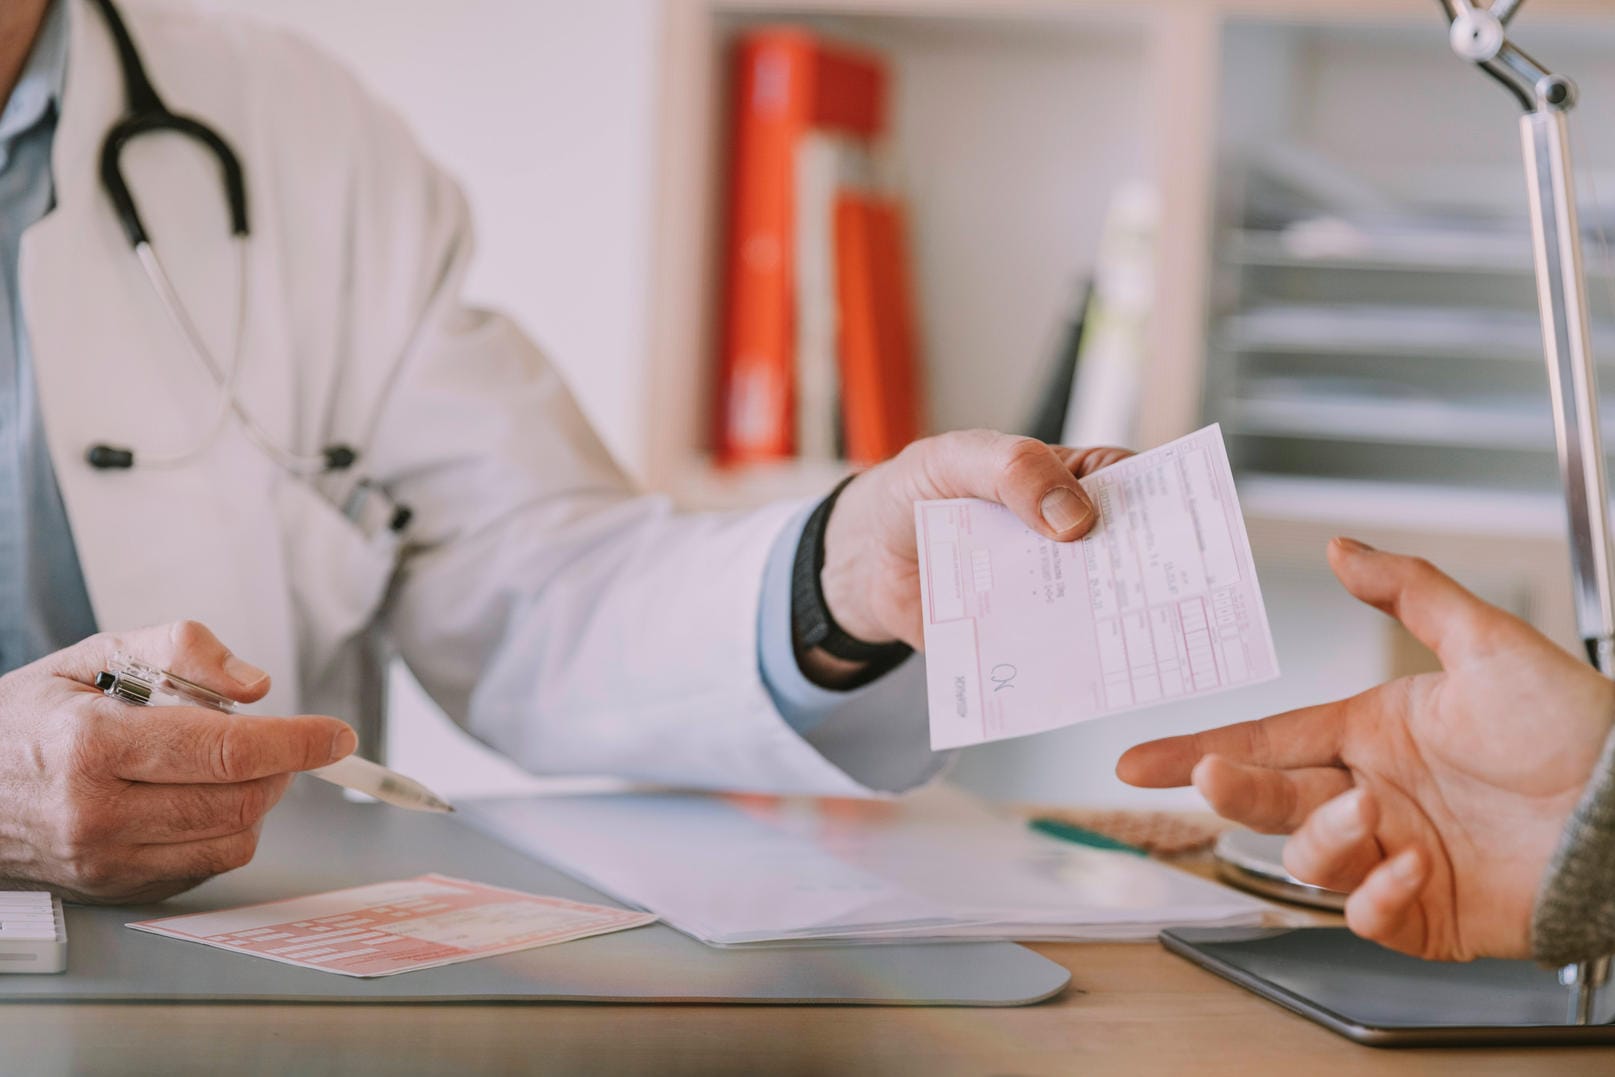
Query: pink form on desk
x: 388, y: 928
x: 1159, y: 603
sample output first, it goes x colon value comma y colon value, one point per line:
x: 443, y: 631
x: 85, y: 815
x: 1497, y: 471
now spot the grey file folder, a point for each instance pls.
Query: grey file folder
x: 317, y: 841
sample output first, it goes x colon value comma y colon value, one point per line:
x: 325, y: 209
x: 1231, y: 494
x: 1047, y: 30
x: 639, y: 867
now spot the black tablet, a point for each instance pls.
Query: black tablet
x: 1385, y: 999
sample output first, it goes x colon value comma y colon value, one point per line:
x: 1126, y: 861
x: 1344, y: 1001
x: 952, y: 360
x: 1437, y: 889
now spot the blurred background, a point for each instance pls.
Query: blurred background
x: 1100, y: 221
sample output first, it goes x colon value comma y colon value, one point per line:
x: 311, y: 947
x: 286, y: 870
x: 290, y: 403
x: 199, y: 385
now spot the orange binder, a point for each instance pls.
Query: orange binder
x: 787, y: 83
x: 880, y: 369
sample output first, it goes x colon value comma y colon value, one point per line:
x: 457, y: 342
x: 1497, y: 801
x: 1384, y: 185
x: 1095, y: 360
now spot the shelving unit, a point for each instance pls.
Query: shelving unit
x: 1016, y: 121
x: 1013, y: 125
x: 1374, y: 342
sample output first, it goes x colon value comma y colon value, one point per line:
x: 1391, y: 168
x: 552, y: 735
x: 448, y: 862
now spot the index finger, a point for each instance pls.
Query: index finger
x: 1436, y: 608
x: 185, y: 648
x: 1309, y: 737
x: 192, y: 745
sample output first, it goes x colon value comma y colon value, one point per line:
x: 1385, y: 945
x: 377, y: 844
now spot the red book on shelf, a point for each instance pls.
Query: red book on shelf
x: 880, y: 369
x: 788, y: 82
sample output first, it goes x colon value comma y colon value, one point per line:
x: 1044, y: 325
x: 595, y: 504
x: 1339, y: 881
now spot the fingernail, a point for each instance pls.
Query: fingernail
x: 1063, y: 510
x: 343, y: 744
x: 1343, y: 816
x: 1406, y: 866
x: 243, y: 673
x: 1351, y: 545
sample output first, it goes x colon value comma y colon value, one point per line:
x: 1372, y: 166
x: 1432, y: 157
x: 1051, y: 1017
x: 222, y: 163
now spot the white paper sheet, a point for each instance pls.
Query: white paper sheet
x: 1159, y: 603
x: 387, y: 928
x: 739, y: 870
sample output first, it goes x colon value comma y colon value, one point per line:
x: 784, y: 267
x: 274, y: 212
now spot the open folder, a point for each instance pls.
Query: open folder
x: 745, y: 870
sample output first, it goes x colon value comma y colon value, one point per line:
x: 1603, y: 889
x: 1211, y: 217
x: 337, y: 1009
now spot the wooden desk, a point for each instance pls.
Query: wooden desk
x: 1131, y: 1009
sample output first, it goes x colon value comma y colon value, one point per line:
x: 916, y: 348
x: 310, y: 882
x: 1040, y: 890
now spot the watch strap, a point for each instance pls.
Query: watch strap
x: 812, y: 624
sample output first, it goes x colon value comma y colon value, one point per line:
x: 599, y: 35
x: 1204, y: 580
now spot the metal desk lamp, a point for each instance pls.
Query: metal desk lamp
x: 1480, y: 35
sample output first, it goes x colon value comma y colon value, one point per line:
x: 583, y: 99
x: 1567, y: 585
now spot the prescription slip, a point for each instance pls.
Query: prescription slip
x: 1159, y: 603
x: 387, y: 928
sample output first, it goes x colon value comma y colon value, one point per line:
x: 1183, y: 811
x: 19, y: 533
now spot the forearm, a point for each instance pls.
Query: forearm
x: 625, y: 641
x: 1574, y: 917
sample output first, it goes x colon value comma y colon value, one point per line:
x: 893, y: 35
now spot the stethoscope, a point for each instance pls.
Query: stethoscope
x: 145, y: 114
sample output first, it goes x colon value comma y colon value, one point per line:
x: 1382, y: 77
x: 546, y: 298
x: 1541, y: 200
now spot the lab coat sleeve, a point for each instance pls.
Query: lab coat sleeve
x: 563, y: 619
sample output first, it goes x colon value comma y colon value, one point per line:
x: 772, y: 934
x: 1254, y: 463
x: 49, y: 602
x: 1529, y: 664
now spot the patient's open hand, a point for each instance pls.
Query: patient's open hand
x: 1437, y: 800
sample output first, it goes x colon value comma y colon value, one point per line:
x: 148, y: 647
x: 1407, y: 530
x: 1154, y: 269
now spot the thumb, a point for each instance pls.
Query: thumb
x: 1433, y: 606
x: 1023, y: 474
x: 186, y: 649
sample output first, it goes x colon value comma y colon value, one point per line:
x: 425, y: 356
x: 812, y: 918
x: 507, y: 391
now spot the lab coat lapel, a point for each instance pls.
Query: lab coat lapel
x: 195, y: 541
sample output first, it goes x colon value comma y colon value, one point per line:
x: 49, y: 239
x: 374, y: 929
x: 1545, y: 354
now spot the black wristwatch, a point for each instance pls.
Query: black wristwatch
x: 812, y: 626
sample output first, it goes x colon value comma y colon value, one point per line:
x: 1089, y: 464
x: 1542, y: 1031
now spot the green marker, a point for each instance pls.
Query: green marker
x: 1078, y: 835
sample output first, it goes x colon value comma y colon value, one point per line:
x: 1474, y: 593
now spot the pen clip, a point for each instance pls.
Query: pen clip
x: 136, y: 682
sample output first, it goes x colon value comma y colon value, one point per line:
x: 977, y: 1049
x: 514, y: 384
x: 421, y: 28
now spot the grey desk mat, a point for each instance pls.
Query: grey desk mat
x: 317, y: 841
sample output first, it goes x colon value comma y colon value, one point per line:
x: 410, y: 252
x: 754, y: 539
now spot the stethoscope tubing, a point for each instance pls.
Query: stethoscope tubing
x: 146, y: 114
x: 226, y: 379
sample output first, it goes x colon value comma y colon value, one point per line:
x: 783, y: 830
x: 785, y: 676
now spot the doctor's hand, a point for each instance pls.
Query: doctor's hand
x: 871, y: 574
x: 105, y: 802
x: 1436, y: 800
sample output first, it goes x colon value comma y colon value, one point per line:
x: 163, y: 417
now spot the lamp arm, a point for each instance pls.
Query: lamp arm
x: 1480, y: 36
x: 1502, y: 10
x: 1572, y: 375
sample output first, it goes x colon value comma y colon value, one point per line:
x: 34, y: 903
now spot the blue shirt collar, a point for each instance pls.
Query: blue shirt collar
x: 43, y: 77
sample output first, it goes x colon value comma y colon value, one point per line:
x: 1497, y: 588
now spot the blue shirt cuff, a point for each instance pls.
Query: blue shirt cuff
x: 803, y: 704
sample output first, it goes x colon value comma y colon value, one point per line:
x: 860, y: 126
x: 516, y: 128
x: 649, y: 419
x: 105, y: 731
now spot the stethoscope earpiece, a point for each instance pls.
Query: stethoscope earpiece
x: 109, y: 458
x: 112, y: 458
x: 339, y: 457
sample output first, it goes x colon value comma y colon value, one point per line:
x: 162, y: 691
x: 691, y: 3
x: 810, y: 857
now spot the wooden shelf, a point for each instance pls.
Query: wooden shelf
x: 1014, y: 124
x: 1301, y: 11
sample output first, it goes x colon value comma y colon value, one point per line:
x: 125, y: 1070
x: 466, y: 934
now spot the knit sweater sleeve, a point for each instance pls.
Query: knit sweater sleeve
x: 1575, y: 909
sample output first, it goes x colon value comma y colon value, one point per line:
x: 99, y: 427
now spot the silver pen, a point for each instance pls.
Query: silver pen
x: 143, y: 685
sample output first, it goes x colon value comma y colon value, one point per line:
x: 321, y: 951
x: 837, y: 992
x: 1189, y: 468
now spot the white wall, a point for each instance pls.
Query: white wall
x: 544, y: 110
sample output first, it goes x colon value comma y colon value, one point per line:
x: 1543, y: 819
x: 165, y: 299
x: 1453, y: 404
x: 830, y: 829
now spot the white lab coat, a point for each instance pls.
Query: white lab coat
x: 571, y: 624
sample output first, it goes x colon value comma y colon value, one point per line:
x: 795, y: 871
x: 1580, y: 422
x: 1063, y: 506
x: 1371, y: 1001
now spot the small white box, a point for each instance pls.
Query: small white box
x: 33, y: 932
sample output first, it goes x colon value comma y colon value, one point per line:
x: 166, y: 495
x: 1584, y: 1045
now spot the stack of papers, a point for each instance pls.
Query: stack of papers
x: 747, y: 870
